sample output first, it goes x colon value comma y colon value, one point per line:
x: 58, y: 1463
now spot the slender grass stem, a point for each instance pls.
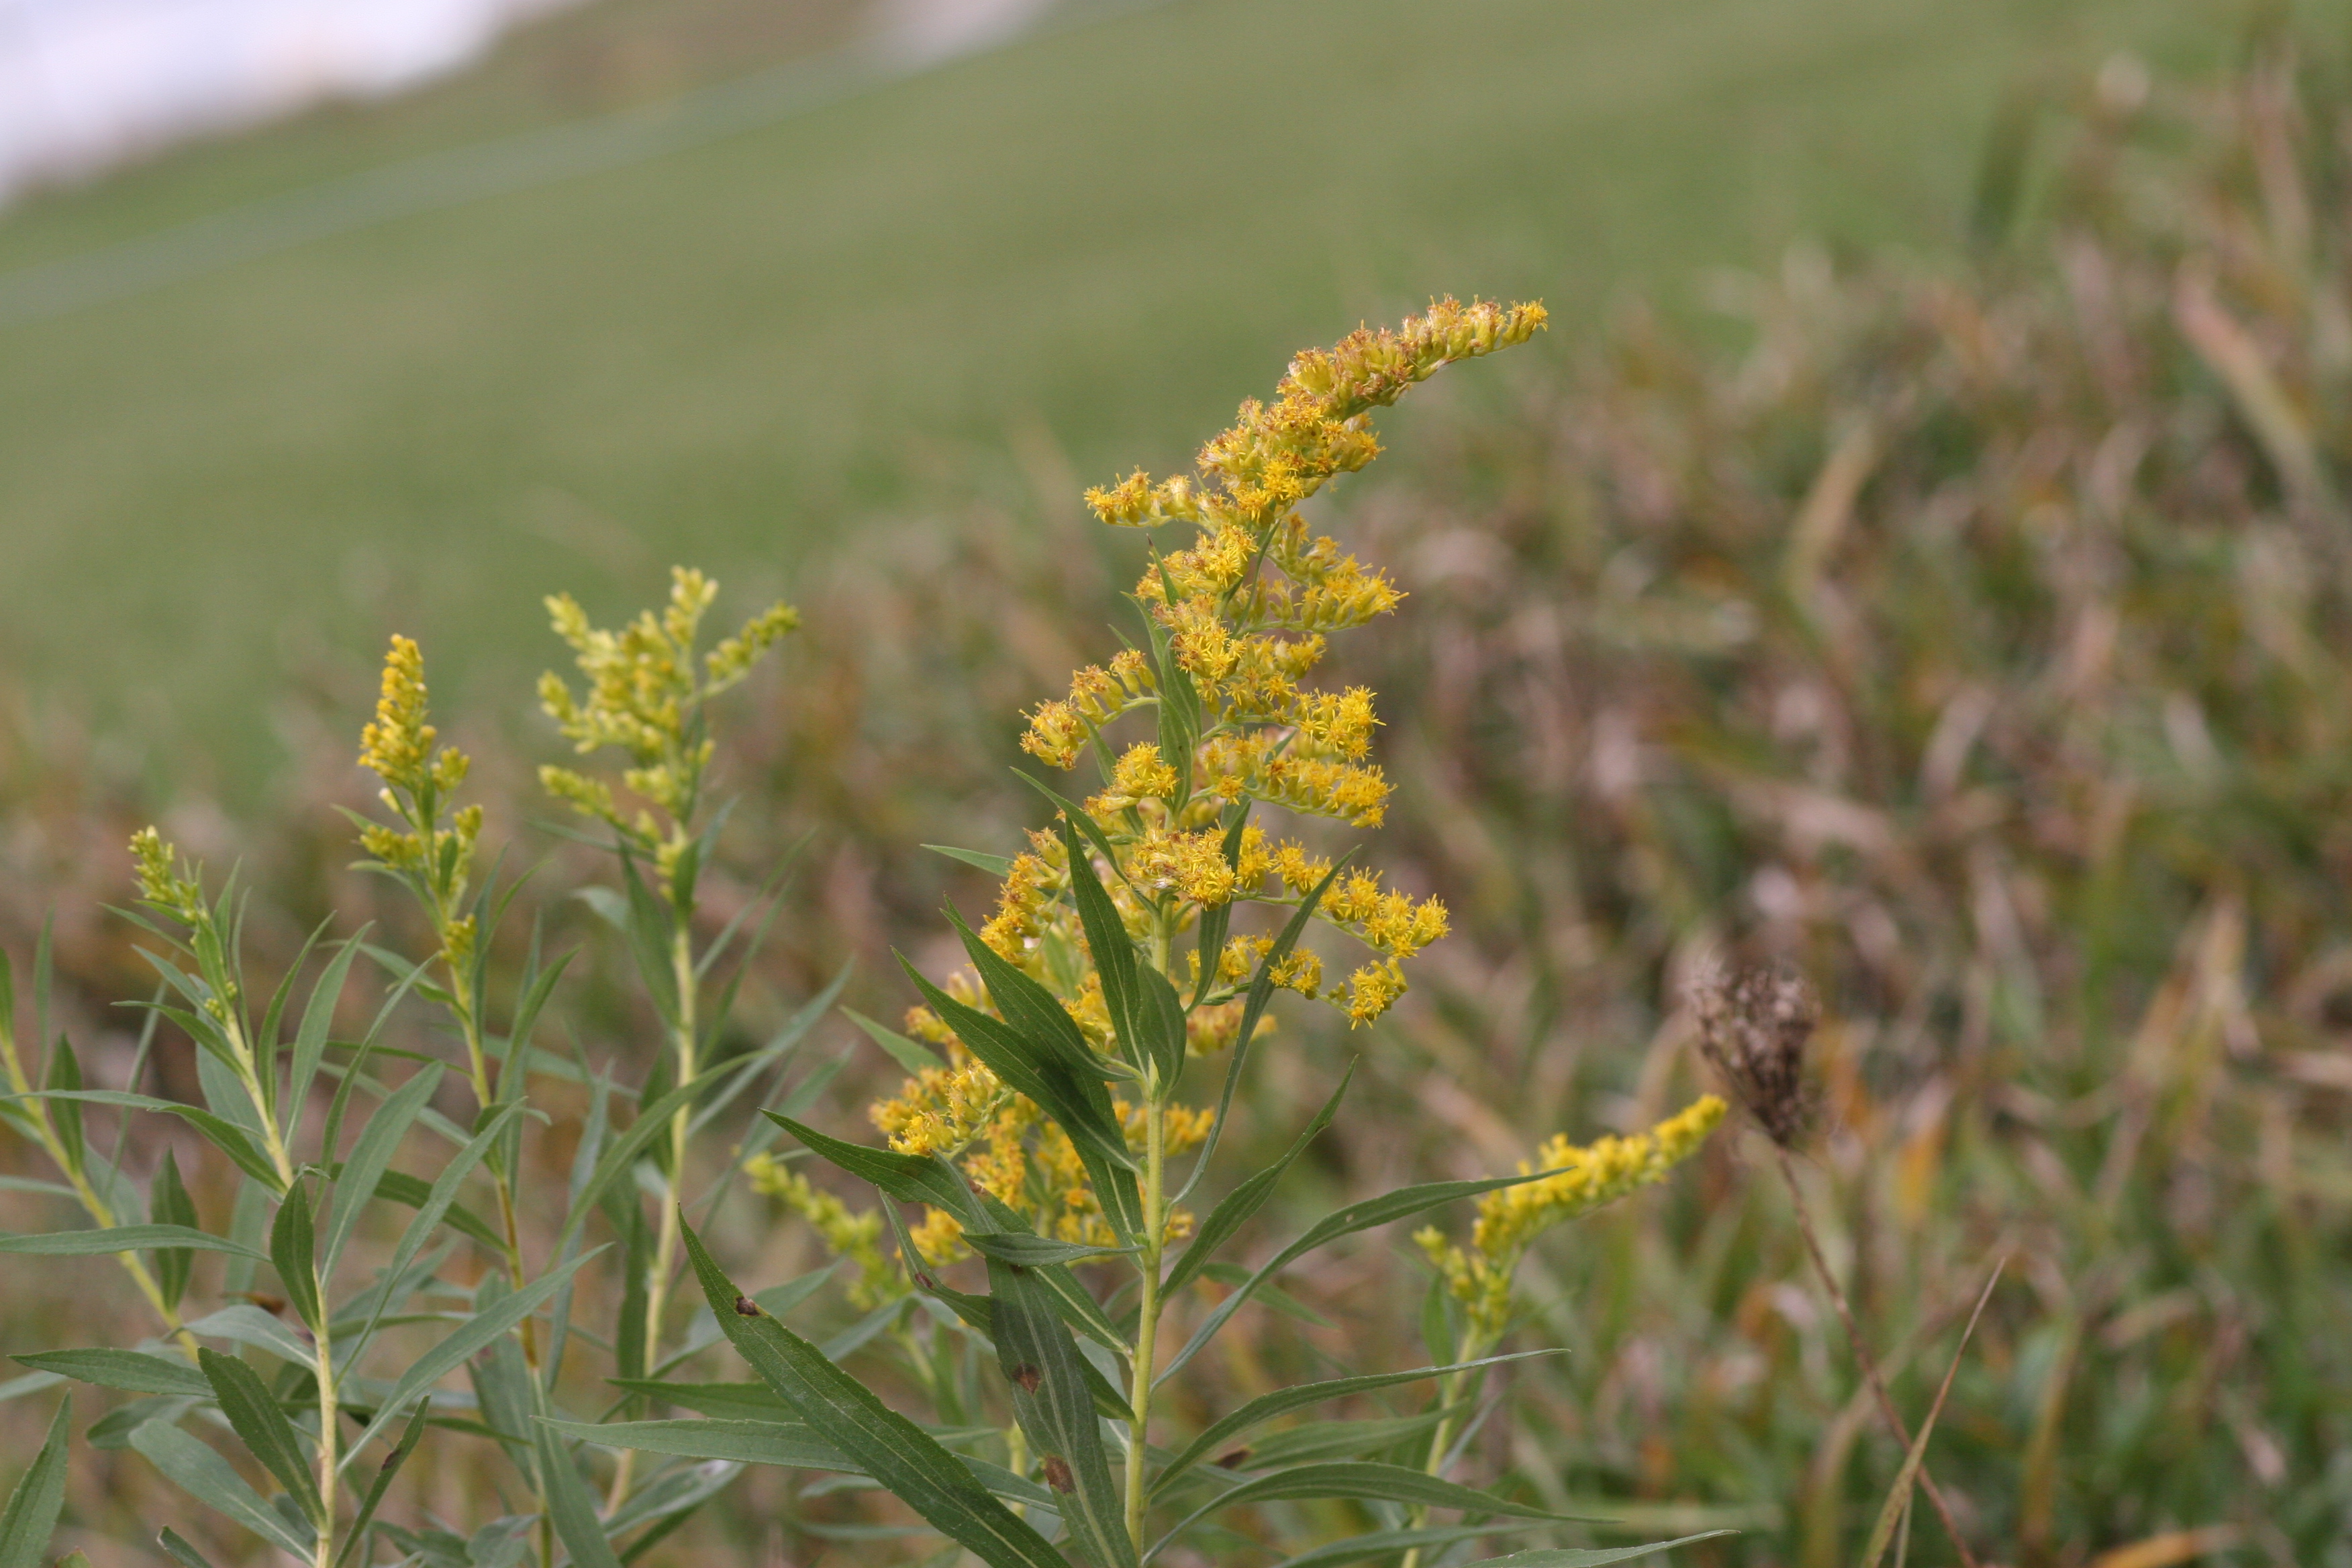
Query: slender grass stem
x: 1469, y: 1348
x: 1862, y: 1356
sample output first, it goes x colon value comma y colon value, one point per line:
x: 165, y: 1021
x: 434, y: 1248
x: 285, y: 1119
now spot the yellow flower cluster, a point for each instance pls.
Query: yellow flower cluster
x: 645, y: 694
x: 855, y: 1237
x: 1239, y: 621
x: 397, y: 745
x: 1010, y: 1151
x: 1583, y: 1179
x: 162, y: 883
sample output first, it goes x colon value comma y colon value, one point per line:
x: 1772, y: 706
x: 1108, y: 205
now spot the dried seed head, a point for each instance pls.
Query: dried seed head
x: 1753, y: 1026
x: 1058, y: 1474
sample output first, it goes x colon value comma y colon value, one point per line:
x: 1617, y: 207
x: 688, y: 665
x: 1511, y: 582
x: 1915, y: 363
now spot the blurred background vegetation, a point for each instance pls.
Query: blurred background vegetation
x: 1919, y: 552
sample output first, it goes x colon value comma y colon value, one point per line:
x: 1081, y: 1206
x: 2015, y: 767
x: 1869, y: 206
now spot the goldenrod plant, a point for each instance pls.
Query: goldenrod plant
x: 1044, y: 1131
x: 313, y: 1369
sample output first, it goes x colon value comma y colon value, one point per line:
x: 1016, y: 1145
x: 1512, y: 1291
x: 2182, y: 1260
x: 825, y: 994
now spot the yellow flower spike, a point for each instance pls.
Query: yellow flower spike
x: 644, y: 696
x: 398, y: 744
x: 157, y: 865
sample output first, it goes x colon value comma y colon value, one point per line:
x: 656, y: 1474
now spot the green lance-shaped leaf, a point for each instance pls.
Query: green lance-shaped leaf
x: 886, y: 1444
x: 370, y: 1157
x: 222, y: 1134
x: 63, y: 1079
x: 177, y: 1547
x: 1056, y: 1407
x: 462, y: 1342
x: 571, y: 1505
x: 416, y: 1192
x: 1389, y: 1542
x: 318, y: 1022
x: 381, y: 1483
x: 787, y: 1444
x: 1360, y: 1479
x: 168, y: 1202
x: 123, y: 1238
x: 193, y: 1466
x: 1251, y: 1196
x: 1319, y: 1441
x: 1079, y: 1102
x: 994, y: 865
x: 909, y: 1178
x: 41, y: 1496
x: 1589, y: 1556
x: 1139, y: 1012
x: 1071, y: 1092
x: 293, y: 1242
x: 622, y: 1153
x: 912, y: 1055
x: 1401, y: 1203
x: 1030, y: 1250
x: 134, y: 1372
x: 1217, y: 922
x: 1282, y: 1401
x: 254, y: 1415
x: 1029, y: 1008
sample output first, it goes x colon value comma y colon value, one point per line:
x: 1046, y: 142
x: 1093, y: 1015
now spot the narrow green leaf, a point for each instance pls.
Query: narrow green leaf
x: 135, y: 1372
x: 1033, y: 1012
x: 885, y: 1443
x: 1056, y: 1408
x: 1388, y: 1542
x: 176, y: 1544
x: 1400, y: 1204
x: 1160, y: 1018
x: 1360, y: 1479
x: 168, y: 1202
x: 31, y: 1516
x: 571, y: 1505
x: 62, y: 1078
x: 293, y: 1241
x: 723, y: 1401
x: 1073, y: 1094
x: 994, y: 865
x: 623, y: 1152
x: 222, y: 1134
x: 909, y: 1178
x: 1589, y: 1556
x: 787, y: 1444
x: 122, y: 1239
x: 912, y: 1055
x: 1030, y: 1250
x: 462, y: 1342
x: 370, y: 1157
x: 203, y: 1475
x: 1319, y: 1441
x: 318, y: 1023
x: 1216, y: 923
x: 254, y: 1415
x: 247, y: 1324
x: 1218, y: 1436
x: 414, y: 1193
x: 1251, y: 1196
x: 1108, y: 941
x: 382, y: 1481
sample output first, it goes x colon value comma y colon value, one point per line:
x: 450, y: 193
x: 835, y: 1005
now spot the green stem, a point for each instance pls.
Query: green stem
x: 1155, y: 1124
x: 1468, y: 1348
x: 682, y: 1042
x: 330, y: 1410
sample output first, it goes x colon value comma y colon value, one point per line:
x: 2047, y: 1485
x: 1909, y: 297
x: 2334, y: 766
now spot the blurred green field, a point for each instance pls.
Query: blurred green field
x: 1088, y: 244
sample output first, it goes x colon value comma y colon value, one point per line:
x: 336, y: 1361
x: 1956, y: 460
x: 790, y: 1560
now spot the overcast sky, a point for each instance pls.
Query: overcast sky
x: 84, y: 83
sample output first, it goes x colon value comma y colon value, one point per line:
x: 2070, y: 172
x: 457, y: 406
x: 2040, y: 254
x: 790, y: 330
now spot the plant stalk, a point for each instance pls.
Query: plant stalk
x: 1147, y: 1325
x: 1861, y: 1355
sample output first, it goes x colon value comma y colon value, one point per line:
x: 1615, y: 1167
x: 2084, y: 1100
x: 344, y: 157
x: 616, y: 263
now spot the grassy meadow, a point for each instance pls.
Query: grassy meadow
x: 229, y: 483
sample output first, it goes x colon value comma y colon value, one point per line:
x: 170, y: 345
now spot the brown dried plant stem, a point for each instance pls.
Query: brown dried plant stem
x: 1862, y: 1356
